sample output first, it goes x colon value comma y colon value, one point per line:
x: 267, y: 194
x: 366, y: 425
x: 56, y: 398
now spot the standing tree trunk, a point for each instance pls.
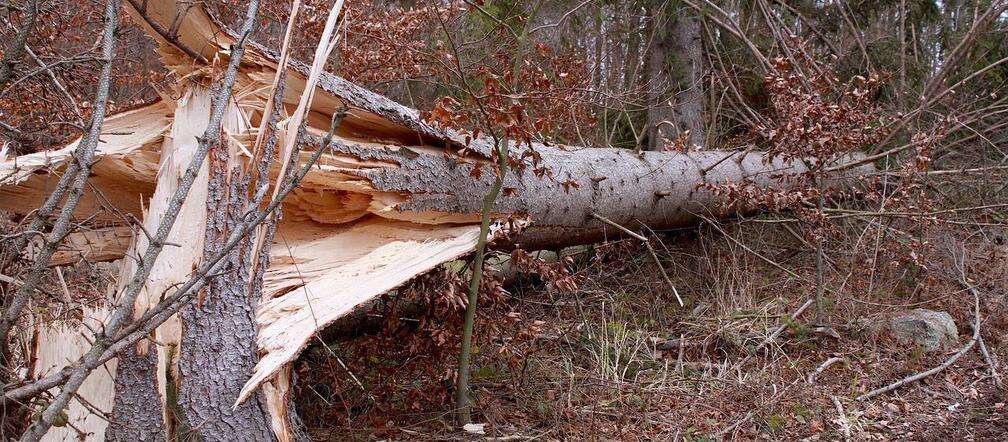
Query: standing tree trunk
x: 137, y: 413
x: 218, y: 347
x: 675, y: 67
x: 215, y: 339
x: 687, y: 52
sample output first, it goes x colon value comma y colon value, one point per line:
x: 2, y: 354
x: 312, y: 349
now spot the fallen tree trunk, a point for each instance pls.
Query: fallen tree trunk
x: 390, y: 199
x: 659, y: 190
x: 413, y: 196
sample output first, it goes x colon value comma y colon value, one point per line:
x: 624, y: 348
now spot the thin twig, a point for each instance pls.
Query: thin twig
x: 651, y: 251
x: 842, y: 417
x: 11, y: 280
x: 829, y: 362
x: 66, y: 289
x: 990, y: 361
x: 59, y: 86
x: 169, y: 36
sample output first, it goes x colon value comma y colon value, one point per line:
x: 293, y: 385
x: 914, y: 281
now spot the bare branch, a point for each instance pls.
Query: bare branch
x: 81, y: 168
x: 13, y: 54
x: 170, y: 36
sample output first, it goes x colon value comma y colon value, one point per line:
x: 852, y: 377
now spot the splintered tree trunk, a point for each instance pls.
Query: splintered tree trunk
x: 391, y: 197
x: 141, y: 388
x: 188, y: 383
x: 218, y: 346
x: 402, y: 211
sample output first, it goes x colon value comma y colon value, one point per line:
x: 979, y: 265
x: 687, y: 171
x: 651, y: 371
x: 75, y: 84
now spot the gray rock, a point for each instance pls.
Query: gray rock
x: 931, y: 330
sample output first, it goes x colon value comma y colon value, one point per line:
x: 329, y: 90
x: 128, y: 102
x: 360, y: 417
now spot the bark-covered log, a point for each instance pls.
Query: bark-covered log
x: 657, y: 190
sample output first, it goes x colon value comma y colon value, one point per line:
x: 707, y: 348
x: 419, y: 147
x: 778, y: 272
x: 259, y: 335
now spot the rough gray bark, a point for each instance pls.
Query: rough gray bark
x: 687, y: 52
x: 137, y: 414
x: 675, y: 65
x: 218, y: 347
x: 655, y: 189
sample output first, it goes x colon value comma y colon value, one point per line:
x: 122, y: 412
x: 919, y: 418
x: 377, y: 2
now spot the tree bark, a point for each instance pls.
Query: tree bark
x: 148, y: 393
x: 137, y: 413
x: 14, y: 52
x: 687, y: 51
x: 400, y: 212
x: 658, y: 190
x: 371, y: 216
x: 218, y: 347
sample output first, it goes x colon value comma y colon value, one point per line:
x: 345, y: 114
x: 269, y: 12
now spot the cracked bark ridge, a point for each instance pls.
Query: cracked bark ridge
x: 218, y: 348
x: 137, y: 414
x: 687, y: 54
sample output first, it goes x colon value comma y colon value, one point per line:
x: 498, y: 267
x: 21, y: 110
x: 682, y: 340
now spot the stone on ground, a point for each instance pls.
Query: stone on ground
x: 931, y: 330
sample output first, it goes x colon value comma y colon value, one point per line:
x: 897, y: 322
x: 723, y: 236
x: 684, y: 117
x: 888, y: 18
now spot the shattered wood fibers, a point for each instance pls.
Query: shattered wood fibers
x: 319, y: 271
x: 56, y: 346
x: 345, y: 269
x: 331, y: 252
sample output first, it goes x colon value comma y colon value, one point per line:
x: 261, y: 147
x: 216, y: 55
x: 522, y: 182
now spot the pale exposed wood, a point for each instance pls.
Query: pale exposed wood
x: 105, y: 244
x: 124, y: 135
x: 217, y: 351
x: 326, y: 44
x: 59, y: 344
x: 278, y: 400
x: 328, y: 272
x: 175, y: 262
x: 192, y: 27
x: 127, y: 155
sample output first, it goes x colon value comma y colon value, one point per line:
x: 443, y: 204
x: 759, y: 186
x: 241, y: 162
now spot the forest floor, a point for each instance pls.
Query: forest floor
x: 604, y: 361
x: 607, y: 353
